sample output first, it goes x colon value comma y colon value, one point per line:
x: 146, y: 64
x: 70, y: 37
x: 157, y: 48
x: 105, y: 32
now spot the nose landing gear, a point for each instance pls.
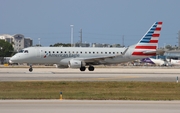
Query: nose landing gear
x: 30, y: 69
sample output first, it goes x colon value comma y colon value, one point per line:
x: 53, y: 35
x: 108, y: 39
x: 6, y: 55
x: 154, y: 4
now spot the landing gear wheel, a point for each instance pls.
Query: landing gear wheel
x: 30, y: 69
x: 83, y: 68
x: 91, y: 68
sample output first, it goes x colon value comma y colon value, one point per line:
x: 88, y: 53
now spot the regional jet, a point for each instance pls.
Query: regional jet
x: 82, y: 57
x: 173, y: 62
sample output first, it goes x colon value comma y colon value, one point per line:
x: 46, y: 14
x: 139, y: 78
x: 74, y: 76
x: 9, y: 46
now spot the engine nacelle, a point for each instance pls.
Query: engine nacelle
x: 60, y: 66
x: 75, y: 63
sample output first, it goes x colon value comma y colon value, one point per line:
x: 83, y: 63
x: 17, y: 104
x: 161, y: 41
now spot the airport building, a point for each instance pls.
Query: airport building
x: 175, y: 54
x: 78, y: 44
x: 105, y: 45
x: 100, y: 45
x: 18, y: 41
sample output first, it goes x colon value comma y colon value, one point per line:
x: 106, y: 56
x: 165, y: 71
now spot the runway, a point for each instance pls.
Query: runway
x: 100, y: 74
x: 88, y: 106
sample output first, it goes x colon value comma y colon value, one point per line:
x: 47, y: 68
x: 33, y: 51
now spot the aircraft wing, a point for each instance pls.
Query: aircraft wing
x: 100, y: 58
x: 97, y: 59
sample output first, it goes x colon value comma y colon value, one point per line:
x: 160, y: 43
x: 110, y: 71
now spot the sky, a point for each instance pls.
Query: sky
x: 101, y: 21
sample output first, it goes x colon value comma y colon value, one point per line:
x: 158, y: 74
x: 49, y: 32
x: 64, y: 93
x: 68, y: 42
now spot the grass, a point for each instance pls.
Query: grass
x: 91, y: 90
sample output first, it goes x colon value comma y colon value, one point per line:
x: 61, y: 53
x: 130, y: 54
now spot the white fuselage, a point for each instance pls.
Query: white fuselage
x: 54, y: 55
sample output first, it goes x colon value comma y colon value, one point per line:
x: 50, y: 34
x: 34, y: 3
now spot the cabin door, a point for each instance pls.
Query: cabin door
x: 39, y: 52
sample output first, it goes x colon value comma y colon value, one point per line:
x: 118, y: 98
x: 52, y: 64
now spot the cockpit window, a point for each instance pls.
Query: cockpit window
x: 21, y: 51
x: 25, y: 51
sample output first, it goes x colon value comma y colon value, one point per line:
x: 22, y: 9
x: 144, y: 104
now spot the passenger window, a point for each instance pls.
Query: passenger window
x: 113, y: 52
x: 105, y: 52
x: 81, y: 52
x: 61, y: 52
x: 45, y: 51
x: 65, y: 52
x: 49, y: 51
x: 57, y: 51
x: 109, y: 52
x: 89, y: 52
x: 53, y: 51
x: 101, y: 52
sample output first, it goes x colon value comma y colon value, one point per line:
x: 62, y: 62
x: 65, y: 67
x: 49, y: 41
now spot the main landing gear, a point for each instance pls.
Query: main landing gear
x: 30, y: 69
x: 90, y: 68
x: 83, y: 68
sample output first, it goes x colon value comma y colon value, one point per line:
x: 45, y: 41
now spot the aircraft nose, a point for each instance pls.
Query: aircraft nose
x: 10, y: 61
x: 13, y: 59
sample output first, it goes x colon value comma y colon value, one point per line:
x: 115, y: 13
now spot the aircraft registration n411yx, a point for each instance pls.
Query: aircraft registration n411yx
x: 82, y: 57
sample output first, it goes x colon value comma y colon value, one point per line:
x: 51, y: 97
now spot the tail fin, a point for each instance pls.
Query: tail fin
x: 149, y: 42
x: 147, y: 60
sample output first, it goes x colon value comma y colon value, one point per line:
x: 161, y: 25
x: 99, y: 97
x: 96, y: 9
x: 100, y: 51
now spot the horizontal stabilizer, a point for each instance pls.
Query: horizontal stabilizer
x: 149, y: 52
x: 158, y: 52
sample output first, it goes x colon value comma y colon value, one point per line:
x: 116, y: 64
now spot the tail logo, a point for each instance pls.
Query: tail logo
x: 149, y: 41
x: 45, y: 55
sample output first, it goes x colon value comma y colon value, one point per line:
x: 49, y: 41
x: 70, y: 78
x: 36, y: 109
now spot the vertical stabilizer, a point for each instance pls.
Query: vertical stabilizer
x: 149, y: 42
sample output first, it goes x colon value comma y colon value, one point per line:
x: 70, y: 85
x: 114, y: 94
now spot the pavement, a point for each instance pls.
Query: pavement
x: 100, y: 74
x: 88, y: 106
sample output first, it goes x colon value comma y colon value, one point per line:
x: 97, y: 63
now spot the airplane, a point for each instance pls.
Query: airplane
x: 173, y: 62
x: 80, y: 57
x: 147, y: 60
x: 159, y: 62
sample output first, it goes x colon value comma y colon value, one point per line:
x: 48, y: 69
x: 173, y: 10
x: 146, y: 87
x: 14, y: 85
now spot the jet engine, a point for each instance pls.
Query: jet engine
x: 75, y: 63
x: 60, y: 66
